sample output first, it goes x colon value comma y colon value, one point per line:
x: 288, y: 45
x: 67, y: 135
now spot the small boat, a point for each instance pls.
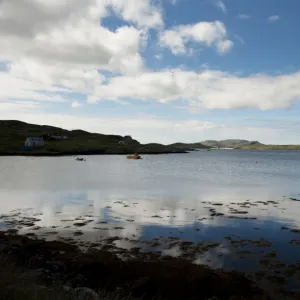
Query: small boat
x: 80, y: 159
x: 135, y: 156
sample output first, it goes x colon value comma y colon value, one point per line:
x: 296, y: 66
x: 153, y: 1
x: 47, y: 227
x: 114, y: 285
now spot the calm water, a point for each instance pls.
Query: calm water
x: 163, y: 196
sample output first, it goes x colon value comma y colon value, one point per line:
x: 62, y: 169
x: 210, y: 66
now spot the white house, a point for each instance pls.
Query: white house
x: 126, y: 139
x: 36, y: 142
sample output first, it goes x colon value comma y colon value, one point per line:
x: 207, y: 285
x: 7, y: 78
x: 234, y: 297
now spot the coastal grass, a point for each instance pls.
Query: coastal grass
x: 14, y: 133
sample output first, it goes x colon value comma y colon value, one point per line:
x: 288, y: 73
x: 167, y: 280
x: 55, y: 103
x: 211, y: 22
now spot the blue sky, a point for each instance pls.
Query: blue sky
x: 162, y: 71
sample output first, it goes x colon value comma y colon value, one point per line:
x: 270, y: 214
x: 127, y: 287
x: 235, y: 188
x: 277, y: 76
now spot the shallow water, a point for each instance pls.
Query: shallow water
x: 164, y: 196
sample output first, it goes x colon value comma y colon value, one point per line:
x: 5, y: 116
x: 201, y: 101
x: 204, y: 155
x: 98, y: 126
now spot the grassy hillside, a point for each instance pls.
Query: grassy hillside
x: 189, y: 146
x: 269, y: 147
x: 244, y: 144
x: 230, y: 143
x: 14, y: 133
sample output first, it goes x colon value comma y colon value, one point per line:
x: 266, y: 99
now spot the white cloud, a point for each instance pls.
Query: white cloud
x: 16, y: 88
x: 243, y: 16
x: 205, y: 90
x: 141, y: 12
x: 172, y: 39
x: 209, y: 34
x: 76, y: 104
x: 18, y: 107
x: 274, y: 18
x: 220, y: 5
x: 47, y: 74
x: 70, y: 32
x: 59, y: 46
x: 224, y: 46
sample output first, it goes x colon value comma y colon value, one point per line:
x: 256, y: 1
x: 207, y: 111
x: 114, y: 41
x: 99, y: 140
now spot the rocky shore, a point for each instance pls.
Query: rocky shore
x: 89, y: 252
x: 61, y: 265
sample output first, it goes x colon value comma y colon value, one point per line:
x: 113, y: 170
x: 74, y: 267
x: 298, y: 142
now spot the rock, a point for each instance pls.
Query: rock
x: 84, y: 293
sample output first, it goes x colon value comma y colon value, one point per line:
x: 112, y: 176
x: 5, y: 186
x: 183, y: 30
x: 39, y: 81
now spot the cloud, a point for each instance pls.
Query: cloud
x: 274, y: 18
x: 18, y: 107
x: 70, y: 32
x: 54, y: 48
x: 76, y: 104
x: 142, y: 12
x: 18, y: 87
x: 243, y: 16
x: 59, y: 48
x: 220, y: 5
x: 48, y: 74
x: 209, y: 34
x: 207, y: 89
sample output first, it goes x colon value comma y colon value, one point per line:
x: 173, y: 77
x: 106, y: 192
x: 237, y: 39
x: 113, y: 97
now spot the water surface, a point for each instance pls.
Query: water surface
x: 163, y: 196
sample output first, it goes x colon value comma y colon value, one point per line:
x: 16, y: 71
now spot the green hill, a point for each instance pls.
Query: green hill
x: 244, y: 144
x: 230, y: 143
x: 189, y: 146
x: 14, y: 133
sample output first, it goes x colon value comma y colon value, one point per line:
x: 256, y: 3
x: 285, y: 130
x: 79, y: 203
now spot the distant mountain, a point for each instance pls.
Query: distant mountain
x: 189, y: 146
x: 230, y: 143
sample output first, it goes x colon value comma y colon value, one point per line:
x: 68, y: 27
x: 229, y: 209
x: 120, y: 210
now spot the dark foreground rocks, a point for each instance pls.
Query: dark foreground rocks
x: 64, y: 264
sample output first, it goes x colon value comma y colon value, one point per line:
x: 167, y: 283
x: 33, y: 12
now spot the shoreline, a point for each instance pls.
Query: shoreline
x: 88, y: 153
x: 95, y: 250
x: 103, y: 152
x: 147, y: 275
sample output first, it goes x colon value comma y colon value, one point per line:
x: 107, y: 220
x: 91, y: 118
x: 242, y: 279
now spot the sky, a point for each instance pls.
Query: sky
x: 162, y: 71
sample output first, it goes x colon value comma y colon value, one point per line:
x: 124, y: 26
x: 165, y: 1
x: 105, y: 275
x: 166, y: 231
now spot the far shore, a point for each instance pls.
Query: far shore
x: 103, y: 152
x: 88, y: 153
